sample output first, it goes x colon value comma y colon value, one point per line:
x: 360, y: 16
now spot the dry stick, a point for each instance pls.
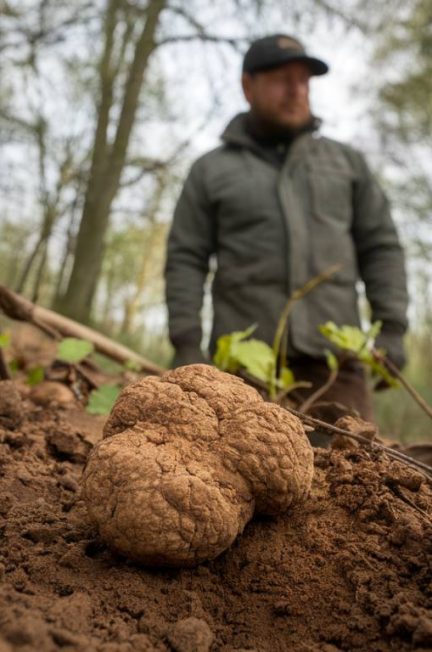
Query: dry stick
x: 410, y: 389
x: 399, y: 493
x: 19, y: 308
x: 301, y: 384
x: 340, y: 431
x: 307, y: 404
x: 296, y: 295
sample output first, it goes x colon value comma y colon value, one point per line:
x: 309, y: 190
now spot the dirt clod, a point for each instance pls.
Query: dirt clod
x: 11, y: 407
x: 49, y: 391
x: 191, y: 635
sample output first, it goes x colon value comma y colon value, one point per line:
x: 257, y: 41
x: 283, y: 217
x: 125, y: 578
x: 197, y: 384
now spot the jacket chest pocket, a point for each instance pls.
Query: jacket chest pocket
x: 331, y: 195
x: 330, y: 224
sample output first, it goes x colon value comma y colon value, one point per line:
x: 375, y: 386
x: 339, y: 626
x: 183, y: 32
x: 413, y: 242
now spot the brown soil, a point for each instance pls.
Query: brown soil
x: 349, y: 570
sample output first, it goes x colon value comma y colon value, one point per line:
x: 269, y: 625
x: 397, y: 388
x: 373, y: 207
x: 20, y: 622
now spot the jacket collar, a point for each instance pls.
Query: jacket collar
x: 237, y: 132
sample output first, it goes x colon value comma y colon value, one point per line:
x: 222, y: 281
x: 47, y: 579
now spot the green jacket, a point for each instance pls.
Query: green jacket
x: 272, y: 228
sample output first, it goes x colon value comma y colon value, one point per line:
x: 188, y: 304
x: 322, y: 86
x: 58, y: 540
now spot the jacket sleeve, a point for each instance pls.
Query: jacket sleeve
x: 380, y: 260
x: 191, y: 241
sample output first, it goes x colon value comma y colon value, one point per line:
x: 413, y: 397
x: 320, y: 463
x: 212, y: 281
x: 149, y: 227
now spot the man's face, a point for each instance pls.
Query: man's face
x: 280, y: 96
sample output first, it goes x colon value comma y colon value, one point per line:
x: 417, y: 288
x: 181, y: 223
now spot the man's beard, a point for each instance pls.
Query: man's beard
x: 270, y: 129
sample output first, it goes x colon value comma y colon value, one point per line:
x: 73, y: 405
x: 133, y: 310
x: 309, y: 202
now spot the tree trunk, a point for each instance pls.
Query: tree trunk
x: 104, y: 183
x: 28, y: 265
x: 40, y: 273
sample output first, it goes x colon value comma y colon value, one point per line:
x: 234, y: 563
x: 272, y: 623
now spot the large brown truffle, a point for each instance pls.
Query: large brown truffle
x: 185, y: 461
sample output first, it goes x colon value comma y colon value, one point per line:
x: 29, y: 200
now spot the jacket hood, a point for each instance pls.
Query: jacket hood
x: 236, y: 132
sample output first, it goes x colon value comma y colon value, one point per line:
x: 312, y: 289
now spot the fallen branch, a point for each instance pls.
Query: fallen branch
x: 17, y: 307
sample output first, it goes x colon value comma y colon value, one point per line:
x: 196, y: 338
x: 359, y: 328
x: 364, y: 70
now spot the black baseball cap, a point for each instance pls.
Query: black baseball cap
x: 277, y: 49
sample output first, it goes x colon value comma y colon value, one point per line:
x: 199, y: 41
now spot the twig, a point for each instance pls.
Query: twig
x: 410, y: 389
x: 296, y: 295
x: 307, y: 404
x: 301, y: 384
x: 399, y: 493
x: 330, y: 430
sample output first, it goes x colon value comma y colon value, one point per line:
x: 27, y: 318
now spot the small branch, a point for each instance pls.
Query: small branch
x: 330, y: 430
x: 399, y: 493
x: 296, y: 295
x: 307, y: 404
x: 19, y: 308
x: 283, y: 319
x: 410, y: 389
x: 211, y: 38
x: 301, y: 384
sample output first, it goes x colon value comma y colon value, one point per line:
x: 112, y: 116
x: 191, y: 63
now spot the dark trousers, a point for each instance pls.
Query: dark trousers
x: 350, y: 388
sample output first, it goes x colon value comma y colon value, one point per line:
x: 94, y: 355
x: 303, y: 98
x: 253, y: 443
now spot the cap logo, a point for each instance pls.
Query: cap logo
x: 286, y: 43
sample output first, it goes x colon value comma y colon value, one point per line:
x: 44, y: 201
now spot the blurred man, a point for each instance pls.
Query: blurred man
x: 278, y: 204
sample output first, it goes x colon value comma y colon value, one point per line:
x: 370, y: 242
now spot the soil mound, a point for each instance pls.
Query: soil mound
x: 348, y: 570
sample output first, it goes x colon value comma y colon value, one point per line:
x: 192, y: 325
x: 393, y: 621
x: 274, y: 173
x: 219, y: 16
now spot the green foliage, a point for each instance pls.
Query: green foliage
x: 408, y: 95
x: 358, y: 343
x: 286, y: 378
x: 35, y: 375
x: 73, y: 350
x: 225, y: 357
x: 235, y: 352
x: 5, y: 340
x: 102, y: 399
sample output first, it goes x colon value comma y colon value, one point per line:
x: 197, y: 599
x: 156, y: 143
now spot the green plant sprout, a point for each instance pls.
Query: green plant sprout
x: 73, y: 350
x: 358, y: 344
x: 264, y: 363
x: 235, y: 352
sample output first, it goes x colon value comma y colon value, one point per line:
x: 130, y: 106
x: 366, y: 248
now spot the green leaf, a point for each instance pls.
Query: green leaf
x: 286, y: 378
x: 349, y: 338
x: 5, y: 340
x: 256, y: 357
x: 73, y: 350
x: 378, y: 369
x: 374, y: 331
x: 225, y: 355
x: 332, y: 361
x: 35, y: 376
x: 102, y: 399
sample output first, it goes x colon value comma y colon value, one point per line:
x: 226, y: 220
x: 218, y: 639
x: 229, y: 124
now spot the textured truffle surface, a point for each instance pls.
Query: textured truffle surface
x: 185, y: 461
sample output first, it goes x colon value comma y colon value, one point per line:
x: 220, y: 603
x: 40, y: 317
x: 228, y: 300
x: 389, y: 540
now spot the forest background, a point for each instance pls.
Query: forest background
x: 104, y: 104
